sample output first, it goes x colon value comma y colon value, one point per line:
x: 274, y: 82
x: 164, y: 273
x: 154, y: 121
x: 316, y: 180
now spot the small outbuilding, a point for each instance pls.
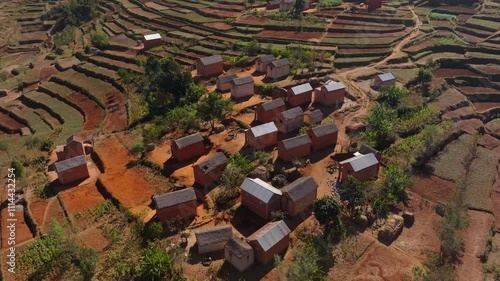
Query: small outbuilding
x: 366, y: 149
x: 313, y: 117
x: 242, y: 87
x: 188, y: 147
x: 323, y: 136
x: 299, y: 195
x: 260, y: 197
x: 330, y: 94
x: 210, y: 66
x: 384, y: 80
x: 262, y: 136
x: 210, y: 170
x: 213, y: 239
x: 74, y: 147
x: 262, y: 62
x: 278, y: 69
x: 363, y: 167
x: 267, y: 111
x: 152, y: 40
x: 299, y: 95
x: 290, y: 120
x: 272, y: 239
x: 287, y: 5
x: 273, y: 4
x: 180, y: 204
x: 72, y: 169
x: 299, y: 146
x: 224, y: 82
x: 239, y: 254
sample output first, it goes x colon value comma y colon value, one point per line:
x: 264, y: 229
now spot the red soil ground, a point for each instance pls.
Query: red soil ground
x: 116, y: 117
x: 38, y: 211
x: 219, y: 25
x: 81, y: 198
x: 53, y: 211
x: 490, y: 69
x: 495, y: 199
x: 452, y: 72
x: 93, y: 237
x: 8, y: 122
x: 252, y: 20
x: 22, y: 231
x: 470, y: 90
x: 292, y: 35
x: 433, y: 188
x: 363, y: 51
x: 485, y: 106
x: 93, y: 113
x: 48, y: 71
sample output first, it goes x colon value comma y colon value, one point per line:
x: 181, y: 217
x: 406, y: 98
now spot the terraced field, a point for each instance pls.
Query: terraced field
x: 27, y: 116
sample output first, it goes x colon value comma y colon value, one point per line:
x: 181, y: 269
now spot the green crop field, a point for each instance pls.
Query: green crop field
x: 480, y: 179
x: 34, y: 121
x: 94, y: 86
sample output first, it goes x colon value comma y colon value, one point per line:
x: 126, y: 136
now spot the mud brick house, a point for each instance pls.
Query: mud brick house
x: 267, y: 111
x: 287, y: 5
x: 313, y: 117
x: 299, y: 195
x: 262, y: 62
x: 178, y: 204
x: 384, y: 80
x: 330, y: 94
x: 260, y: 197
x: 272, y: 239
x: 366, y: 149
x: 278, y: 69
x: 363, y: 167
x: 210, y: 170
x: 262, y: 136
x: 290, y: 120
x: 152, y: 40
x: 239, y: 254
x: 273, y: 4
x: 213, y: 239
x: 323, y: 136
x: 242, y: 87
x: 74, y: 147
x: 373, y: 4
x: 298, y: 95
x: 210, y: 66
x: 295, y: 147
x: 188, y: 147
x: 224, y: 82
x: 72, y: 169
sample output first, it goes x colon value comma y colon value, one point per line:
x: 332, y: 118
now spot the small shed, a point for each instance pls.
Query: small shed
x: 267, y: 111
x: 224, y: 82
x: 313, y: 117
x: 331, y: 93
x: 295, y: 147
x: 178, y: 204
x: 373, y: 4
x: 74, y: 147
x: 363, y: 167
x: 210, y: 170
x: 260, y: 197
x: 262, y: 61
x: 323, y: 136
x: 188, y: 147
x: 366, y: 149
x: 384, y: 80
x: 301, y: 94
x: 290, y: 120
x: 239, y: 254
x: 152, y: 40
x: 273, y: 4
x: 272, y: 239
x: 72, y: 169
x: 299, y: 195
x: 278, y: 69
x: 242, y: 87
x: 213, y: 239
x: 210, y: 66
x: 287, y: 5
x: 262, y: 136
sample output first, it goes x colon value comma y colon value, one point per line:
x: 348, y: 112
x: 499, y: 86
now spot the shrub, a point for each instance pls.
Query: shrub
x: 20, y: 86
x: 18, y: 168
x: 46, y: 145
x: 153, y: 231
x: 4, y: 75
x: 137, y: 147
x: 99, y: 39
x: 328, y: 212
x: 66, y: 36
x: 156, y: 264
x: 329, y: 3
x: 225, y: 199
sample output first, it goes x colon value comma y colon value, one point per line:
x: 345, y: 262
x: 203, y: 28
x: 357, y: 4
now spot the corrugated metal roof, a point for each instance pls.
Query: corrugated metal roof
x: 74, y: 138
x: 70, y: 163
x: 238, y: 247
x: 300, y: 188
x: 264, y: 129
x: 273, y: 104
x: 211, y: 59
x: 296, y: 142
x: 280, y: 62
x: 301, y: 89
x: 324, y: 130
x: 242, y: 80
x: 213, y: 235
x: 174, y: 198
x: 292, y: 113
x: 188, y: 140
x: 270, y: 234
x: 266, y: 58
x: 213, y: 162
x: 361, y: 162
x: 259, y: 189
x: 152, y: 36
x: 315, y: 115
x: 386, y: 76
x: 226, y: 78
x: 333, y: 86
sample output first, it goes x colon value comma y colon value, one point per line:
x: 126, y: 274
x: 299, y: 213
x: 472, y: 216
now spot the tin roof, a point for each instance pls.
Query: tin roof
x: 324, y: 130
x: 267, y: 58
x: 211, y: 59
x: 300, y: 188
x: 333, y: 86
x: 217, y: 160
x: 386, y: 76
x: 74, y: 138
x: 301, y: 89
x: 242, y: 80
x: 296, y: 141
x: 280, y: 62
x: 213, y: 235
x: 238, y: 247
x: 361, y: 162
x: 70, y: 163
x: 315, y: 115
x: 292, y: 113
x: 226, y: 78
x: 188, y: 140
x: 273, y: 104
x: 264, y: 129
x: 152, y: 36
x: 174, y: 198
x: 270, y: 234
x: 259, y: 189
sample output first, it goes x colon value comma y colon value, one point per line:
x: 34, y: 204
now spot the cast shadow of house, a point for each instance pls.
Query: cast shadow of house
x: 246, y: 222
x: 55, y: 186
x: 321, y: 154
x: 195, y: 257
x: 254, y: 273
x: 326, y: 110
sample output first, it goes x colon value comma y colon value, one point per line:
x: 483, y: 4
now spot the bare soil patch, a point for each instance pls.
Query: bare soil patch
x: 53, y: 211
x: 116, y: 119
x: 452, y: 72
x: 219, y: 25
x: 292, y: 35
x: 485, y: 106
x: 10, y: 123
x: 93, y: 112
x: 434, y: 188
x: 23, y: 232
x: 38, y: 211
x: 81, y: 198
x: 93, y: 237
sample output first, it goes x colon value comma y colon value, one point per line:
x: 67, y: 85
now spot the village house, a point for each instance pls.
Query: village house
x: 224, y: 82
x: 262, y: 62
x: 323, y: 136
x: 273, y: 4
x: 290, y: 120
x: 210, y: 170
x: 180, y: 204
x: 272, y: 239
x: 313, y: 117
x: 152, y: 40
x: 279, y: 93
x: 213, y: 239
x: 239, y: 254
x: 363, y: 167
x: 298, y: 95
x: 75, y: 146
x: 366, y: 149
x: 286, y: 5
x: 299, y: 195
x: 373, y: 4
x: 267, y: 111
x: 330, y: 94
x: 260, y: 197
x: 299, y: 146
x: 188, y: 147
x: 210, y: 66
x: 384, y: 80
x: 72, y: 169
x: 242, y: 87
x: 278, y: 69
x: 262, y: 136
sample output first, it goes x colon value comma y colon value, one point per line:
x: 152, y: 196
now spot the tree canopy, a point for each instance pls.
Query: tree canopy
x: 213, y: 107
x: 328, y: 212
x: 354, y: 192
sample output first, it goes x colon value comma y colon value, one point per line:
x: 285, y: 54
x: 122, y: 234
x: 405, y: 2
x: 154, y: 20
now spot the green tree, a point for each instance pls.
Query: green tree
x: 328, y: 212
x: 236, y: 170
x: 77, y: 12
x: 153, y: 231
x: 396, y: 181
x: 392, y: 95
x: 253, y: 48
x: 380, y: 128
x: 213, y: 107
x: 354, y: 192
x: 156, y: 264
x: 99, y: 39
x: 298, y: 7
x: 125, y: 75
x: 423, y: 77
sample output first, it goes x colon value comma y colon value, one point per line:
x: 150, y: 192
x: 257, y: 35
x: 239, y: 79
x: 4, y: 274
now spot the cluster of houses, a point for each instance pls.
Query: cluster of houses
x: 71, y: 164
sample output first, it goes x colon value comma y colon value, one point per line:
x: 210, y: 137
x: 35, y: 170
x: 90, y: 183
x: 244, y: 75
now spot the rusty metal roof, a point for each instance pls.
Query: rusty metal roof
x: 174, y: 198
x: 270, y: 234
x: 259, y: 189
